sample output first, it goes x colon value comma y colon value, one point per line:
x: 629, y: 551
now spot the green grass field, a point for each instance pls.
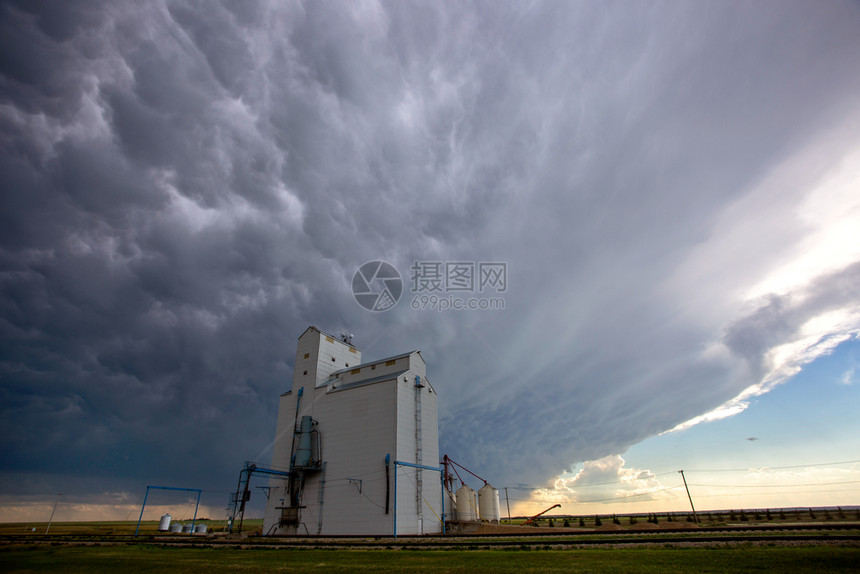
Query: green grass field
x: 89, y: 553
x: 131, y: 559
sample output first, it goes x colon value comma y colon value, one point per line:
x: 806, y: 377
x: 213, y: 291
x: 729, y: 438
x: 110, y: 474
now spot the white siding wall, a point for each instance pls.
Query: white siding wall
x: 357, y: 431
x: 358, y: 426
x: 280, y: 459
x: 408, y: 515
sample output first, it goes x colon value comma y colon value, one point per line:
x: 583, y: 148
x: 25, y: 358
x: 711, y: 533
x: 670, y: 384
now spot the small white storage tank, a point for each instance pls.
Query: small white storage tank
x: 200, y: 529
x: 488, y: 503
x: 176, y: 527
x: 164, y: 523
x: 467, y: 505
x: 186, y: 528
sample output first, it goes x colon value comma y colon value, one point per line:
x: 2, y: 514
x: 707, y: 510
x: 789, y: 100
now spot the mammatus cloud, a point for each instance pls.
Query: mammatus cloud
x: 186, y: 188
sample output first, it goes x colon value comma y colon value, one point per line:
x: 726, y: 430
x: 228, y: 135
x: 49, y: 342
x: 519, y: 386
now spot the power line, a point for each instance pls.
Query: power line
x: 626, y: 496
x: 623, y: 497
x: 590, y: 484
x: 776, y: 485
x: 771, y: 467
x: 759, y: 494
x: 577, y: 486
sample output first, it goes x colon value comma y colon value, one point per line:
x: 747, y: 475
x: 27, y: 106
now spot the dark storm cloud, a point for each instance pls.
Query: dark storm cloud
x: 138, y: 304
x: 187, y: 187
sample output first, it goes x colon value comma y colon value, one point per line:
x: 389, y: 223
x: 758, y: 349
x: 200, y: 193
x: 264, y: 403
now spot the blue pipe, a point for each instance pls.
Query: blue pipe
x: 196, y: 506
x: 425, y: 467
x: 395, y: 499
x: 136, y: 530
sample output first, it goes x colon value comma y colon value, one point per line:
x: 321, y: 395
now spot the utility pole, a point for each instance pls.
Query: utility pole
x: 695, y: 517
x: 508, y: 503
x: 53, y: 510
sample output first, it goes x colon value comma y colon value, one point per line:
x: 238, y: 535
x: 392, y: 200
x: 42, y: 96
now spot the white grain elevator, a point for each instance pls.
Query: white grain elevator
x: 361, y: 444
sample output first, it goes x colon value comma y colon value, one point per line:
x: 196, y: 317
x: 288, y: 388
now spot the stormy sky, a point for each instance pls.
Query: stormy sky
x: 186, y: 186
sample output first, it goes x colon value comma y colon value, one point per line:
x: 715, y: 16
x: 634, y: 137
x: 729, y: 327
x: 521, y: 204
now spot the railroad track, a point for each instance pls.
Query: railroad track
x: 813, y: 534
